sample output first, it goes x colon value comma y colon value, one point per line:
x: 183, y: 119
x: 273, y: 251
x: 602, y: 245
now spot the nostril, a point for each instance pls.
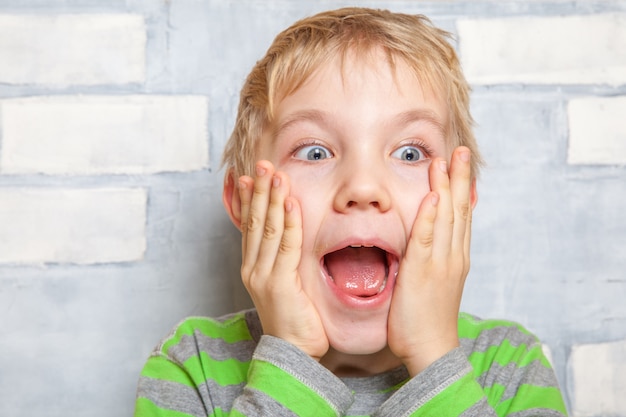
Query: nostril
x: 352, y: 203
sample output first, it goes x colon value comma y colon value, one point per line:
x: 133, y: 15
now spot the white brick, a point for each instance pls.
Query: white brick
x: 79, y: 49
x: 598, y: 376
x: 104, y: 134
x: 597, y: 132
x: 82, y: 226
x: 548, y: 353
x: 545, y: 50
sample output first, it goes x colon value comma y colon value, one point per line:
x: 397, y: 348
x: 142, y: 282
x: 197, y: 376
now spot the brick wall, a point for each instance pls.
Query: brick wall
x: 113, y: 115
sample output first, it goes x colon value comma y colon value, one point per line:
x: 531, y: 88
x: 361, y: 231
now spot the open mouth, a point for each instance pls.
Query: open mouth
x: 360, y: 271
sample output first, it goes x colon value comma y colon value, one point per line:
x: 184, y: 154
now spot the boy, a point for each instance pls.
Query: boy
x: 351, y: 175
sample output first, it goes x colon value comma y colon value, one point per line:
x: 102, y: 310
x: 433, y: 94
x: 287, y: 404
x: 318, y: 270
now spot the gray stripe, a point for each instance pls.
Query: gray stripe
x: 426, y: 385
x: 217, y: 349
x: 254, y: 324
x: 221, y: 396
x: 371, y: 392
x: 364, y: 403
x: 304, y: 368
x: 513, y: 377
x: 257, y: 403
x: 172, y: 396
x: 543, y: 412
x: 494, y: 337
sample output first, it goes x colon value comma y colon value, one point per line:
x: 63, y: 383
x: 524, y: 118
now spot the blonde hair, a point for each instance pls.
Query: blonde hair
x: 309, y: 43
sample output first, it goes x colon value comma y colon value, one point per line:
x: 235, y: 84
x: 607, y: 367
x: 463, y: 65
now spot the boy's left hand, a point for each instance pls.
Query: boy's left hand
x: 422, y: 324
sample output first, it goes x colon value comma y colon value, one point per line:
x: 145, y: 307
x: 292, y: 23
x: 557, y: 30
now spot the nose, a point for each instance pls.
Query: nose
x: 363, y: 187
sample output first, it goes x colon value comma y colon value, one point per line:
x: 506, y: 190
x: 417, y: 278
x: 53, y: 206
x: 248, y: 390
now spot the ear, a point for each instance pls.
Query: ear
x: 473, y: 194
x: 231, y: 200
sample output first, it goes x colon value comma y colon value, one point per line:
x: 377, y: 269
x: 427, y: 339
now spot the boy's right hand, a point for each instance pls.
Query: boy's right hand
x: 271, y: 225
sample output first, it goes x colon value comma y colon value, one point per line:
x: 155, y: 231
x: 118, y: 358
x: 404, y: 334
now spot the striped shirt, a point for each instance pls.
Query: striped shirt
x: 225, y: 367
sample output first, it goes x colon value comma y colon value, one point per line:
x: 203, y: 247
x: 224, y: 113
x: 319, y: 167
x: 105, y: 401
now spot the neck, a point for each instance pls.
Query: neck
x: 346, y: 365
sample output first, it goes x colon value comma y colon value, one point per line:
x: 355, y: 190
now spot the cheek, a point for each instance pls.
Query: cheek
x: 409, y: 195
x: 314, y: 204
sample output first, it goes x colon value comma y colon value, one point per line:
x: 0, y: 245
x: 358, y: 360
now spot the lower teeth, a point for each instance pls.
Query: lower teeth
x: 382, y: 287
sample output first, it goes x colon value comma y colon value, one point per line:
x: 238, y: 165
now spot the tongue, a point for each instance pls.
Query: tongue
x: 358, y: 271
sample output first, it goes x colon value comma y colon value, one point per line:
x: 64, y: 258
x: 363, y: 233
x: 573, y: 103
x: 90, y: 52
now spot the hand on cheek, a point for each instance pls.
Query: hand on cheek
x: 424, y: 310
x: 271, y: 224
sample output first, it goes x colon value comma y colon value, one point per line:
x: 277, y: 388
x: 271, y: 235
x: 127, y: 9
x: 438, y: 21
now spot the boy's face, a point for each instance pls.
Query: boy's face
x: 357, y: 146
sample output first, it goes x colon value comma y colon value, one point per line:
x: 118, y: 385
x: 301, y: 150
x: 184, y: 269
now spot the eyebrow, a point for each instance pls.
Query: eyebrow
x: 418, y: 115
x: 324, y: 118
x: 310, y: 115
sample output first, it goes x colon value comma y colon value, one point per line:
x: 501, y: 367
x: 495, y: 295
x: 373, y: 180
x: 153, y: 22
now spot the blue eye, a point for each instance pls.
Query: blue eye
x: 409, y: 154
x: 313, y: 153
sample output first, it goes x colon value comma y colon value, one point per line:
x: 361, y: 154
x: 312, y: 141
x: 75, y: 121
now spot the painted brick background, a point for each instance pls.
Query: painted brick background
x: 72, y: 49
x: 598, y: 378
x: 82, y: 226
x: 600, y: 118
x: 113, y: 115
x: 130, y: 134
x: 560, y: 49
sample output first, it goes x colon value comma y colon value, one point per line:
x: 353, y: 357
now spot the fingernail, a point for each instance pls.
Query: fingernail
x: 276, y: 182
x: 465, y: 156
x: 434, y: 200
x: 260, y: 171
x: 241, y: 185
x: 288, y: 206
x: 443, y: 166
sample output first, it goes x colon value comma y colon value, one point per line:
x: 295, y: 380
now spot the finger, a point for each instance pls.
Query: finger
x: 245, y: 186
x: 444, y: 222
x: 274, y: 224
x: 255, y: 222
x: 290, y: 250
x: 468, y: 231
x: 422, y: 235
x: 460, y: 185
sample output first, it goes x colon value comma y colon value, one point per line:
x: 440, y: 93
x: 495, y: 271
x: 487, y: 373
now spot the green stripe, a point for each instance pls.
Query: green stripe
x: 454, y: 400
x: 494, y: 394
x: 232, y: 330
x: 159, y: 367
x: 505, y: 353
x: 218, y: 412
x: 146, y: 408
x: 471, y: 328
x: 530, y: 397
x: 226, y: 372
x: 288, y: 391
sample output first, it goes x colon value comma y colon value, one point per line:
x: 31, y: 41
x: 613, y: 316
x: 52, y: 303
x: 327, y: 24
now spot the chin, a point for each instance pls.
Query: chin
x: 359, y: 349
x: 358, y: 338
